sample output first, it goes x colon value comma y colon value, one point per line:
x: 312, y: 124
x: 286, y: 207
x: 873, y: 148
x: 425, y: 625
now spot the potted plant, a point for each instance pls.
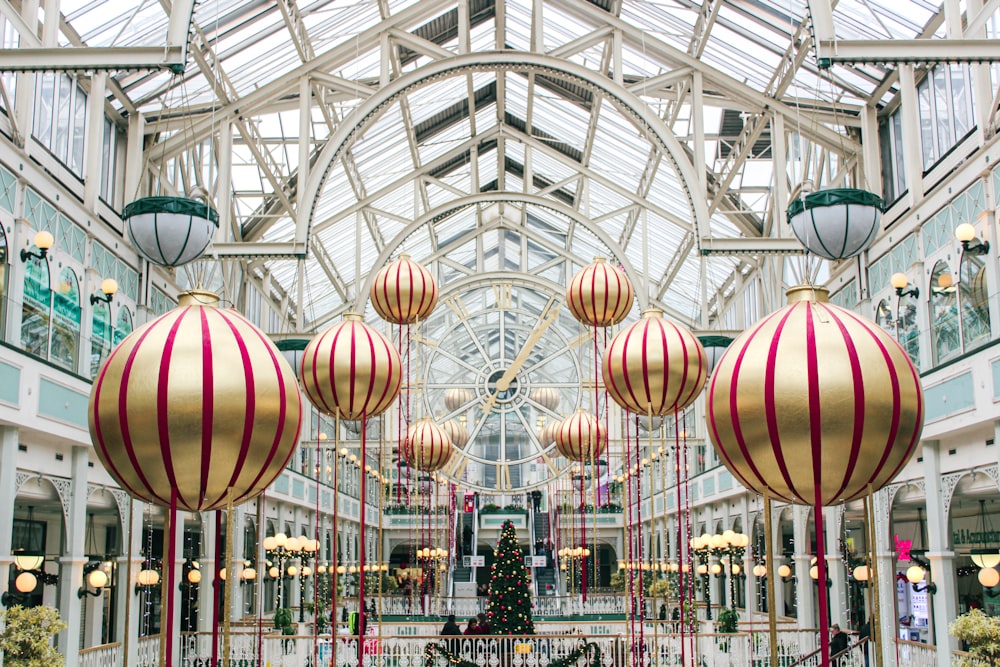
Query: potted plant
x: 981, y: 633
x: 283, y: 620
x: 726, y: 623
x: 26, y: 640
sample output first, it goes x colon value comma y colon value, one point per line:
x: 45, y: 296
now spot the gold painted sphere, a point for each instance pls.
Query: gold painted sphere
x: 456, y: 397
x: 547, y: 397
x: 547, y: 434
x: 456, y: 432
x: 426, y: 446
x: 195, y: 408
x: 600, y: 294
x: 351, y: 371
x: 581, y: 437
x: 654, y: 366
x: 814, y: 404
x: 404, y: 292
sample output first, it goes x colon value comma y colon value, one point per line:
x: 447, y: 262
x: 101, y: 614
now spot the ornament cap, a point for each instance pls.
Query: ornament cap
x: 352, y: 317
x: 403, y: 257
x: 600, y: 260
x: 652, y: 313
x: 807, y: 293
x: 198, y: 297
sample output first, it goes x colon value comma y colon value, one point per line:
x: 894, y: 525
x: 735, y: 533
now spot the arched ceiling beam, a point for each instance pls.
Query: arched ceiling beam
x: 641, y: 116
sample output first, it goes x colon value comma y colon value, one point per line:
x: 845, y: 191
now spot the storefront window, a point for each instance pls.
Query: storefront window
x: 944, y: 314
x: 123, y: 326
x: 907, y: 327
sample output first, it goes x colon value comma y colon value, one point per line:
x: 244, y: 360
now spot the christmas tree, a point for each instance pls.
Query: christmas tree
x: 509, y: 611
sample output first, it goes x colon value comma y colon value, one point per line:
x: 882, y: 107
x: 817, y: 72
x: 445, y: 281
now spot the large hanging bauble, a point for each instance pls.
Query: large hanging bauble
x: 600, y: 294
x: 837, y: 223
x: 580, y: 437
x: 351, y: 371
x: 654, y: 366
x: 547, y: 397
x: 426, y: 446
x: 815, y: 404
x: 404, y: 292
x: 456, y: 432
x: 456, y: 397
x: 197, y: 401
x: 170, y: 231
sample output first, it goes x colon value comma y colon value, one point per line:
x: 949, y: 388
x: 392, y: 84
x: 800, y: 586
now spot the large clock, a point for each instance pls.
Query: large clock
x: 495, y: 354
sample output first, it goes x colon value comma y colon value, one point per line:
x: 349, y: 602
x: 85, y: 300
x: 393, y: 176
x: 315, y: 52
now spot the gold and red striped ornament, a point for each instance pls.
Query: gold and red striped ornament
x: 547, y: 397
x: 580, y: 437
x: 654, y: 366
x: 814, y: 404
x: 426, y: 446
x: 600, y: 294
x: 547, y: 434
x: 456, y: 432
x: 456, y: 397
x: 195, y: 409
x: 350, y: 370
x: 404, y: 292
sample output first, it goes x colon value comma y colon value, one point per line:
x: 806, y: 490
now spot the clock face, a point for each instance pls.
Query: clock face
x: 504, y: 359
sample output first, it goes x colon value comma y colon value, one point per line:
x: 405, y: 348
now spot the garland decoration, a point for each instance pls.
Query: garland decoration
x: 591, y: 651
x: 442, y: 652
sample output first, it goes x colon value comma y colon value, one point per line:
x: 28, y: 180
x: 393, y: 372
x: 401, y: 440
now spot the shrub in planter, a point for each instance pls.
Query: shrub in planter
x: 981, y: 633
x: 727, y: 621
x: 282, y: 618
x: 26, y: 640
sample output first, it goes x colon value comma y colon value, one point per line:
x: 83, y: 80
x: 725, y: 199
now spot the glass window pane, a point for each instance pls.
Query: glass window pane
x: 927, y: 143
x: 944, y: 314
x: 66, y: 320
x: 35, y: 310
x: 975, y: 301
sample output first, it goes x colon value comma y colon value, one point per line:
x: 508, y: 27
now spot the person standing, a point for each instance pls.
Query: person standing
x: 484, y: 624
x: 838, y: 640
x: 473, y: 627
x: 451, y: 628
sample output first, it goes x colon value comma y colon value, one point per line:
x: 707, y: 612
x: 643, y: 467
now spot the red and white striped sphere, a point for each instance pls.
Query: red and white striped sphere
x: 600, y: 294
x: 580, y: 437
x: 350, y: 370
x: 654, y: 366
x: 456, y: 431
x: 195, y: 408
x: 815, y: 404
x: 426, y: 446
x: 547, y: 434
x: 404, y: 292
x: 547, y: 397
x: 456, y: 397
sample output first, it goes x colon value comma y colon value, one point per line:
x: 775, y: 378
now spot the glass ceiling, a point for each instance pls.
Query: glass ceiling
x: 592, y: 180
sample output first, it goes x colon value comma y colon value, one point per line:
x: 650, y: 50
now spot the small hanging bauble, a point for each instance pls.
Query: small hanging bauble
x: 547, y: 434
x: 404, y: 292
x: 351, y: 371
x: 197, y: 402
x: 456, y: 397
x: 654, y: 366
x: 547, y: 397
x: 837, y: 223
x: 426, y: 446
x: 600, y: 294
x: 170, y: 231
x: 456, y: 431
x: 815, y: 404
x: 581, y: 437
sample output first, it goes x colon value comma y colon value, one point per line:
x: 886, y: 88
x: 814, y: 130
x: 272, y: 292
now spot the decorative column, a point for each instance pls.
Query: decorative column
x: 886, y: 563
x: 942, y: 559
x: 206, y: 592
x: 832, y: 519
x: 806, y: 605
x: 72, y: 562
x: 128, y: 574
x: 8, y: 493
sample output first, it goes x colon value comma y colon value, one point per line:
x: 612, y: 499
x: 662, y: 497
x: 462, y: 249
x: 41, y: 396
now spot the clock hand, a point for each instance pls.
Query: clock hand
x: 503, y: 384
